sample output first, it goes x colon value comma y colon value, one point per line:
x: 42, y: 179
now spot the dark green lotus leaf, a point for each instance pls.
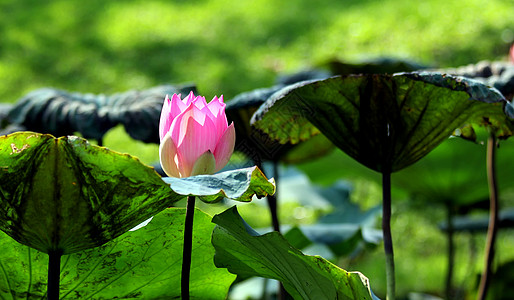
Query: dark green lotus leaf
x: 62, y: 113
x: 258, y: 145
x: 240, y: 249
x: 385, y: 122
x: 253, y: 144
x: 239, y: 185
x: 141, y: 264
x: 66, y: 195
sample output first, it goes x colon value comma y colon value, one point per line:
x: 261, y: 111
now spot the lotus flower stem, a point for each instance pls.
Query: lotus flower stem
x: 54, y: 274
x: 272, y: 201
x: 386, y: 229
x: 493, y: 216
x: 188, y: 245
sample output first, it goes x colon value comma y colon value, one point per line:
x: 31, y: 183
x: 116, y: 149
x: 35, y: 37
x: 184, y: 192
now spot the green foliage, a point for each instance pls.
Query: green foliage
x: 344, y: 230
x: 67, y: 195
x: 385, y: 122
x: 498, y: 121
x: 141, y: 264
x: 105, y: 47
x: 118, y: 139
x: 240, y: 249
x: 111, y: 46
x: 259, y: 146
x: 501, y: 283
x: 60, y: 113
x: 453, y: 173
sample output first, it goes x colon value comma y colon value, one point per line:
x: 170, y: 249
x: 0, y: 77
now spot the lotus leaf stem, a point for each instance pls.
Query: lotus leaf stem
x: 493, y: 216
x: 54, y: 274
x: 386, y: 229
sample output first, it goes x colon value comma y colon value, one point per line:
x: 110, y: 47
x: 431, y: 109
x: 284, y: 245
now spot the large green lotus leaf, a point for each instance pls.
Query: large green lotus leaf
x: 244, y: 252
x: 499, y: 120
x: 67, y: 195
x: 141, y: 264
x: 62, y: 113
x: 239, y: 185
x: 260, y: 146
x: 385, y: 122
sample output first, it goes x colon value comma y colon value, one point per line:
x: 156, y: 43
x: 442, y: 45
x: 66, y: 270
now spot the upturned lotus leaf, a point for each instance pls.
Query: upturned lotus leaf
x: 385, y: 122
x: 66, y: 195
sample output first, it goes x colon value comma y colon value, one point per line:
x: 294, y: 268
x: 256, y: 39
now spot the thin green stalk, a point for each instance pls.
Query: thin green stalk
x: 54, y: 274
x: 493, y: 217
x: 388, y: 240
x: 188, y: 246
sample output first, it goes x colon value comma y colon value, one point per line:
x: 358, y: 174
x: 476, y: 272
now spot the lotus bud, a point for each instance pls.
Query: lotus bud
x: 195, y: 136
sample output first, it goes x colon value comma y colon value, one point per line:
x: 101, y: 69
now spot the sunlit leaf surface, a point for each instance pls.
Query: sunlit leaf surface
x: 67, y: 195
x: 141, y: 264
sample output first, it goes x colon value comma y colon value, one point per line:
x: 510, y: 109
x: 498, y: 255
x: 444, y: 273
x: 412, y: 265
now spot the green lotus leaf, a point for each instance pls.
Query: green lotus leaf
x: 244, y: 252
x: 64, y: 195
x: 385, y: 122
x: 499, y: 121
x: 258, y: 145
x: 141, y: 264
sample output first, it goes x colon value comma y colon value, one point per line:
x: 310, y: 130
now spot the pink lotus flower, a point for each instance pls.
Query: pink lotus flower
x: 195, y: 136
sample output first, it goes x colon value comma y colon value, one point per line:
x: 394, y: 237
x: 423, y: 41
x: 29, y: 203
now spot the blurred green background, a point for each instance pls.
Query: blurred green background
x: 228, y: 47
